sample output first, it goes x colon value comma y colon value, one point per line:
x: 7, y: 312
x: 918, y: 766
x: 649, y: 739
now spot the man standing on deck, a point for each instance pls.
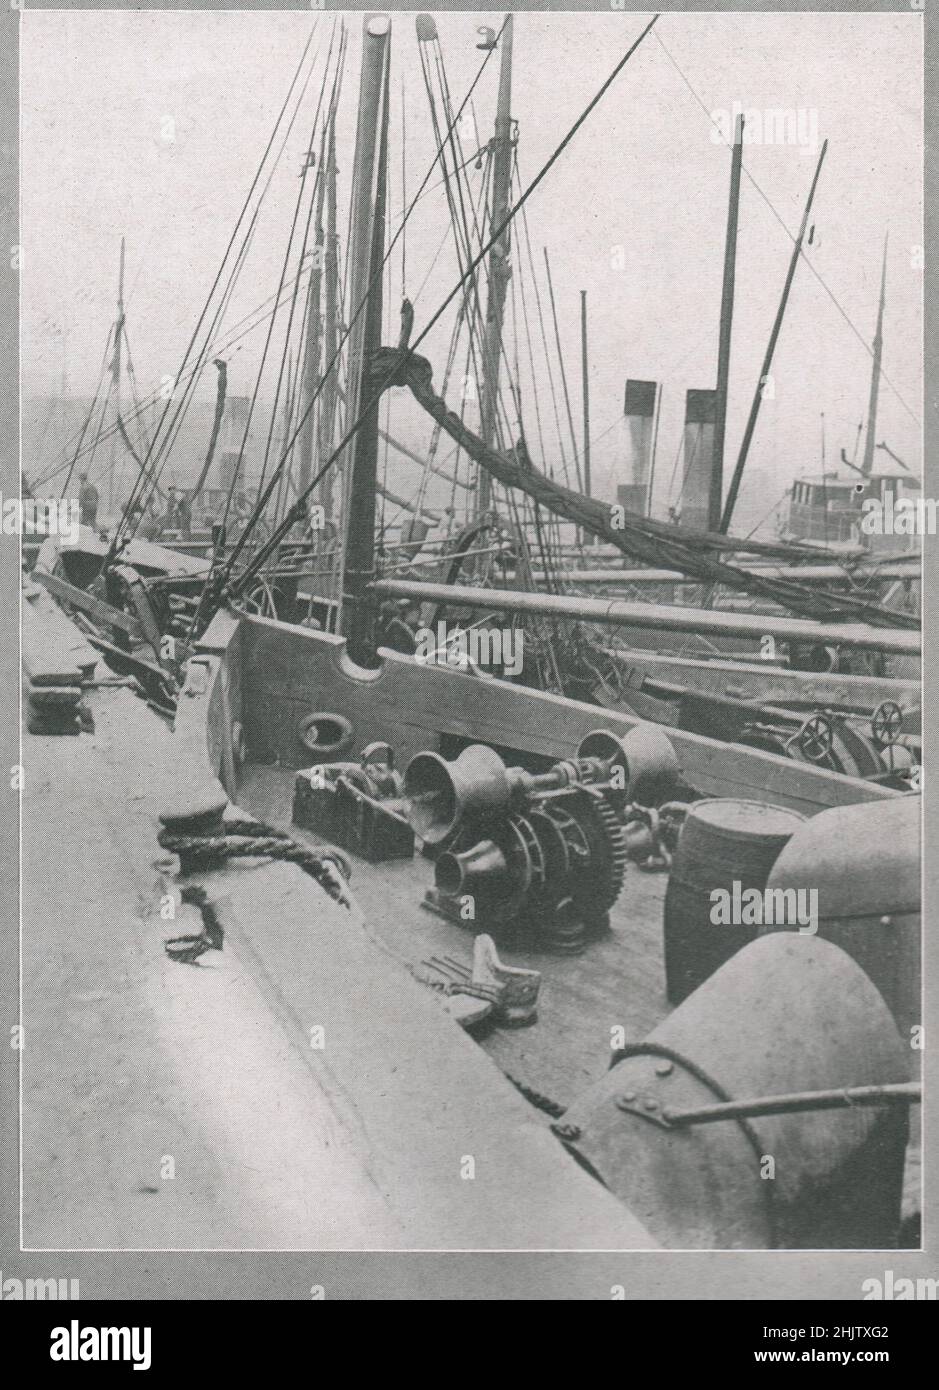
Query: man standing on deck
x: 184, y: 513
x: 87, y: 501
x: 150, y: 524
x: 172, y: 509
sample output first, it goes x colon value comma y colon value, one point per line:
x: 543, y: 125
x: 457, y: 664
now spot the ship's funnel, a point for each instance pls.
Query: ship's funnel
x: 699, y: 458
x: 639, y: 409
x: 440, y: 793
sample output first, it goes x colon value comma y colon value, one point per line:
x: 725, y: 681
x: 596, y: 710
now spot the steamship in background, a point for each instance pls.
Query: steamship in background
x: 824, y: 510
x: 485, y: 876
x: 827, y: 509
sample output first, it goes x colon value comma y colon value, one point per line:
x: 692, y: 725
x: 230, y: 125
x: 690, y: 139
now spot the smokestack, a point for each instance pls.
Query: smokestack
x: 699, y: 458
x: 639, y: 409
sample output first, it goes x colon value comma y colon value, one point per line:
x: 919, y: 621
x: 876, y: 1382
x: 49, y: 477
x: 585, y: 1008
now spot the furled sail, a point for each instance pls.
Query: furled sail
x: 656, y: 542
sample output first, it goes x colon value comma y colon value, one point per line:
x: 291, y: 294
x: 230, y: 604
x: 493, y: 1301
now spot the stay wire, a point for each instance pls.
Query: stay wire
x: 493, y: 238
x: 231, y: 242
x: 262, y: 501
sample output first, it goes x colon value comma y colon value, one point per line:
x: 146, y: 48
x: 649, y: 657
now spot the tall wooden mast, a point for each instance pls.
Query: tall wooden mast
x: 715, y: 493
x: 366, y: 253
x: 116, y: 373
x: 330, y: 321
x: 585, y: 391
x: 311, y: 356
x: 750, y: 426
x: 499, y: 267
x: 867, y: 462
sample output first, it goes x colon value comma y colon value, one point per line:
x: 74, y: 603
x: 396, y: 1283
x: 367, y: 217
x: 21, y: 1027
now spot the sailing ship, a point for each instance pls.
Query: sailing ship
x: 532, y: 871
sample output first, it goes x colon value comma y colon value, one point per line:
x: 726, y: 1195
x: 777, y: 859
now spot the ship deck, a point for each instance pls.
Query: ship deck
x: 618, y: 981
x: 208, y: 1064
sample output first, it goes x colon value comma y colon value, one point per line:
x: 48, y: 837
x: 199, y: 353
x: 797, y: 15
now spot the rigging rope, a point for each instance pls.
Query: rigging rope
x: 563, y: 372
x: 350, y: 433
x: 293, y: 300
x: 218, y: 276
x: 818, y: 276
x: 90, y: 415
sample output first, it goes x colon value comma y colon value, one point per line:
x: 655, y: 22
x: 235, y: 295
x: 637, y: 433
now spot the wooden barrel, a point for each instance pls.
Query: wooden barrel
x: 724, y: 844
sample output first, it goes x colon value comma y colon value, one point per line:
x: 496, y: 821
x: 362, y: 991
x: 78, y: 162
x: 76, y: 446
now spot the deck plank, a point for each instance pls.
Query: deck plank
x: 53, y: 652
x: 618, y: 982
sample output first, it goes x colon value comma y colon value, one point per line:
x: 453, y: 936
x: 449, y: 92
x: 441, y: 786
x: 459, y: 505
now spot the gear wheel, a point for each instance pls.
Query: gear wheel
x: 599, y: 877
x: 614, y: 869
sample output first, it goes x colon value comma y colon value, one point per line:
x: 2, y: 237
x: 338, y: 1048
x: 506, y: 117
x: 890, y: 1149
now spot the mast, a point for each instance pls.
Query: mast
x: 723, y: 351
x: 655, y: 446
x: 311, y: 357
x: 366, y: 253
x: 330, y: 323
x: 116, y: 375
x: 499, y: 268
x: 585, y: 379
x: 770, y: 350
x: 867, y: 463
x: 220, y: 391
x: 557, y: 341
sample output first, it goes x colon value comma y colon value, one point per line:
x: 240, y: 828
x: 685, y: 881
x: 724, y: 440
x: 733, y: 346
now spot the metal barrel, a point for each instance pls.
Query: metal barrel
x: 725, y: 847
x: 862, y: 863
x: 787, y: 1013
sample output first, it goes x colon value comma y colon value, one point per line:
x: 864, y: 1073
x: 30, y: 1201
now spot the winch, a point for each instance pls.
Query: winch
x: 544, y: 851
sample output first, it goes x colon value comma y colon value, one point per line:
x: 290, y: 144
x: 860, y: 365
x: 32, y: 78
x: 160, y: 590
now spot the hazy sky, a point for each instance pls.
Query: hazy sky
x: 634, y: 212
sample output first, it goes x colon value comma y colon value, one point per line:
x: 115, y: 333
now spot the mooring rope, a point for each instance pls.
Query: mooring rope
x: 249, y: 839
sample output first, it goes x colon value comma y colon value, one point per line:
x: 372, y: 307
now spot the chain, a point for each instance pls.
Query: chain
x: 535, y: 1098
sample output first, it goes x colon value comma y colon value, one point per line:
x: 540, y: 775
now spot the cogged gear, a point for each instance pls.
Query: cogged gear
x: 546, y: 850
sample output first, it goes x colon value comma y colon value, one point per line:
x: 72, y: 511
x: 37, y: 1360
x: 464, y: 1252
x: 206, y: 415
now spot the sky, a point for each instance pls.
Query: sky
x: 151, y: 126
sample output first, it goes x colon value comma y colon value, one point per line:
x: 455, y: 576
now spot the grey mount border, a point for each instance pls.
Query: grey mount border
x: 651, y: 1275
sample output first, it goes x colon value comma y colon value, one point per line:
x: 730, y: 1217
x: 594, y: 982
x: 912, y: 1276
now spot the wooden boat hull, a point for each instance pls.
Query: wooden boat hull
x: 275, y: 675
x: 420, y: 1089
x: 773, y: 685
x: 416, y: 1095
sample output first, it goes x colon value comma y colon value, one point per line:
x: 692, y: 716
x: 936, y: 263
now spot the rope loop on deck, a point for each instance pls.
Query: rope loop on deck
x: 249, y: 839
